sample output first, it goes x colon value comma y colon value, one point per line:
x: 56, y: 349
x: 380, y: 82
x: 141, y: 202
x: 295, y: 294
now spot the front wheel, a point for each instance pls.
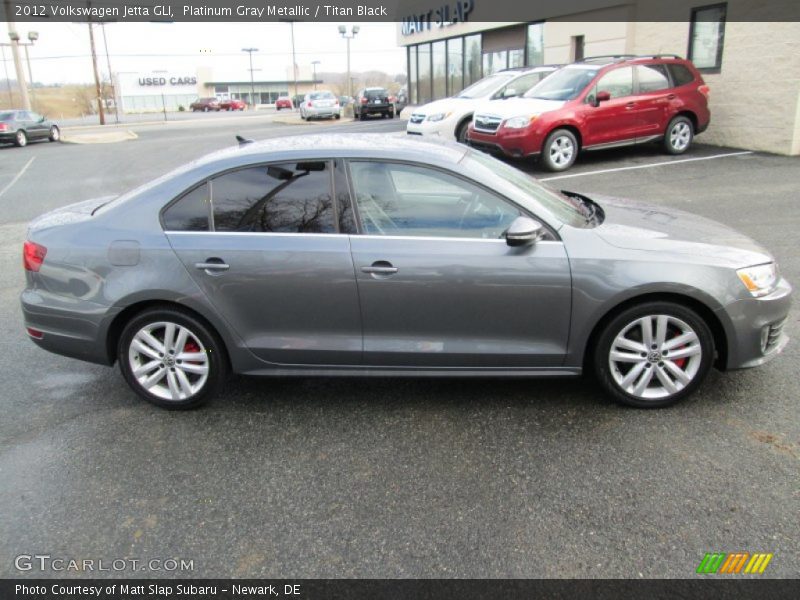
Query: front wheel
x: 653, y: 355
x: 560, y: 150
x: 679, y: 135
x: 171, y: 359
x: 55, y: 134
x: 461, y: 132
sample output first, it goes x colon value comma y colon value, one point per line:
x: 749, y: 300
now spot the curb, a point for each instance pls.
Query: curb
x: 106, y: 137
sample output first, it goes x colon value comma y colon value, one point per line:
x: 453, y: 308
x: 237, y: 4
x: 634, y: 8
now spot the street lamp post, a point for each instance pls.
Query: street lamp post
x: 252, y: 83
x: 314, y: 64
x: 14, y: 45
x: 348, y: 36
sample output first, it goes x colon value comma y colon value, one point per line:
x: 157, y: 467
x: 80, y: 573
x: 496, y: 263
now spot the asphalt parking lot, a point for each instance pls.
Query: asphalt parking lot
x: 397, y: 478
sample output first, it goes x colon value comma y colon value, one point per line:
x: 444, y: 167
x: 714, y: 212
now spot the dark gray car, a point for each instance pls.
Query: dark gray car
x: 19, y: 127
x: 375, y: 255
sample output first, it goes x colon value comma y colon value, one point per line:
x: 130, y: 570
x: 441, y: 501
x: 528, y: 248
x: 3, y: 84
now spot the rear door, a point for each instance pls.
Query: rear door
x: 655, y: 96
x: 266, y: 245
x: 439, y: 286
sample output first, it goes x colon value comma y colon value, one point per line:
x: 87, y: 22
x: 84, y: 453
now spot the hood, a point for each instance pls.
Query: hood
x: 638, y: 226
x: 444, y: 105
x: 65, y: 215
x: 515, y: 107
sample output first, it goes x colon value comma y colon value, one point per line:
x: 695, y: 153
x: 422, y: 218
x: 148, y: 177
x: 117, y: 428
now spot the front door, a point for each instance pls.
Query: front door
x: 615, y: 120
x: 439, y: 286
x: 272, y: 261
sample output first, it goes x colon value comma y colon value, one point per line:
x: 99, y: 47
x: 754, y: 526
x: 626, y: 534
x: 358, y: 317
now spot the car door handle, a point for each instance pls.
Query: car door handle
x: 671, y: 97
x: 630, y: 105
x: 380, y: 267
x: 212, y: 264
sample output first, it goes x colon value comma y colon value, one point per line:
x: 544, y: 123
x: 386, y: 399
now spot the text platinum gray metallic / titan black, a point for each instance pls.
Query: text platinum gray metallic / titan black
x: 375, y: 255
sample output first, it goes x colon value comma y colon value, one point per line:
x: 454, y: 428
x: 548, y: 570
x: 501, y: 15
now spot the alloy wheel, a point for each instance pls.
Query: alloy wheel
x: 22, y: 139
x: 680, y: 135
x: 655, y: 357
x: 561, y: 151
x: 168, y: 360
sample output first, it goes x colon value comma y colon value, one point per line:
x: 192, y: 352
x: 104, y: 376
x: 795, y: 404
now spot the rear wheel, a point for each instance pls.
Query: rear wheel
x: 55, y: 134
x: 362, y: 116
x: 679, y: 135
x: 654, y: 354
x: 21, y: 139
x: 560, y: 150
x: 171, y: 359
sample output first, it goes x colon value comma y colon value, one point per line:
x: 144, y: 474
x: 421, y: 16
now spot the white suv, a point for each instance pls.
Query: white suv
x: 450, y: 117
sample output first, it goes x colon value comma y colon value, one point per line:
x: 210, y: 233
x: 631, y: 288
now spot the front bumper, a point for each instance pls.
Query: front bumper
x: 514, y: 143
x: 753, y: 319
x: 444, y: 128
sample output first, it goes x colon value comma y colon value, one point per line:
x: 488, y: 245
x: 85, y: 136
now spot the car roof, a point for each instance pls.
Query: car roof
x: 610, y: 59
x: 525, y: 70
x: 330, y: 145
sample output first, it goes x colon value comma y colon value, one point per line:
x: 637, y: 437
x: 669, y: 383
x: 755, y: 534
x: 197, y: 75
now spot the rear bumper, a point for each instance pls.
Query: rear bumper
x: 76, y: 329
x: 753, y: 318
x: 375, y: 108
x: 322, y: 112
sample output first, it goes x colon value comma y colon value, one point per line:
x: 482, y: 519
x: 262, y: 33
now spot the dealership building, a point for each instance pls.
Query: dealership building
x: 751, y: 65
x: 151, y: 91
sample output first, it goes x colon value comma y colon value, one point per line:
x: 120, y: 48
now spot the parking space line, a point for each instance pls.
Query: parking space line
x: 17, y: 176
x: 659, y: 164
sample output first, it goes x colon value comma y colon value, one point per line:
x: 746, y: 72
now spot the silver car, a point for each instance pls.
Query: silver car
x: 376, y: 255
x: 321, y: 104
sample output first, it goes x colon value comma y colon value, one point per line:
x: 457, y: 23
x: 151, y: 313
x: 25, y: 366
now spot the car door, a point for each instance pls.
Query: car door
x: 264, y: 244
x: 439, y: 286
x: 655, y: 97
x: 37, y: 126
x: 615, y: 120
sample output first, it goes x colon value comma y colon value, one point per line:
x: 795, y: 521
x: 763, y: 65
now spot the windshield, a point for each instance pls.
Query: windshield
x: 567, y: 210
x: 565, y: 84
x: 485, y: 86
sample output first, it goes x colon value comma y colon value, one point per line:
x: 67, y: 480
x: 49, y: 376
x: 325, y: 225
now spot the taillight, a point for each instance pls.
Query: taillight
x: 363, y: 100
x: 3, y: 127
x: 391, y: 99
x: 309, y: 105
x: 33, y: 256
x: 705, y: 90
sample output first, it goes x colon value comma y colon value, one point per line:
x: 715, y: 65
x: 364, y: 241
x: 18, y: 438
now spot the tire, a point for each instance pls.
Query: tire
x: 461, y: 132
x: 679, y: 135
x: 559, y: 150
x: 21, y: 139
x: 641, y: 381
x: 55, y: 134
x: 362, y: 116
x: 337, y: 116
x: 141, y: 345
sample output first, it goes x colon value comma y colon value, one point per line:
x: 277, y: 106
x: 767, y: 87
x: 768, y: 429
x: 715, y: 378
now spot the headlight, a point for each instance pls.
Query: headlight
x: 759, y: 280
x: 439, y: 116
x: 519, y: 122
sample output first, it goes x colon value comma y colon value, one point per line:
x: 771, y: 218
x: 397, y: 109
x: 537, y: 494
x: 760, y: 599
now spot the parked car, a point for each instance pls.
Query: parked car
x: 400, y: 101
x: 450, y: 117
x: 373, y: 101
x: 22, y: 126
x: 320, y: 104
x: 368, y: 255
x: 284, y: 102
x: 205, y: 105
x: 598, y: 103
x: 233, y: 104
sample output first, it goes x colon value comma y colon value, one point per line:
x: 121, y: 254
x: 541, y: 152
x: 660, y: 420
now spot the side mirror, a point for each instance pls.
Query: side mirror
x: 602, y: 97
x: 509, y: 93
x: 42, y: 119
x: 524, y: 231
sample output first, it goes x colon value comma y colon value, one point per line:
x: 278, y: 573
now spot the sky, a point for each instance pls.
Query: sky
x: 62, y: 52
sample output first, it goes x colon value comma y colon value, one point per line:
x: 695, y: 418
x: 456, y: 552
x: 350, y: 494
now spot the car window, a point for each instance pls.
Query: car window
x: 7, y: 116
x: 190, y: 212
x: 564, y: 84
x: 407, y: 200
x: 280, y: 198
x: 618, y: 83
x: 680, y: 74
x: 34, y: 116
x: 521, y: 84
x: 652, y: 78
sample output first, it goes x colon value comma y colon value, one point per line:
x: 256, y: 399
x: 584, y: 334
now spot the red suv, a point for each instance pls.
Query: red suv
x: 599, y: 102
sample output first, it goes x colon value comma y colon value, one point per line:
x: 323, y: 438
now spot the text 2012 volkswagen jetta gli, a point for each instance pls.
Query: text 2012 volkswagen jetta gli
x: 365, y: 255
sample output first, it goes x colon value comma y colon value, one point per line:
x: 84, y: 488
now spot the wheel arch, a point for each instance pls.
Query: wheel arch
x: 701, y: 308
x: 689, y: 115
x: 123, y: 317
x: 572, y: 128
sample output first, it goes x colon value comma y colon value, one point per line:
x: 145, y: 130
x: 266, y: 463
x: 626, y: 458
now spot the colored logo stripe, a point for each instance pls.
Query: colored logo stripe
x: 721, y: 562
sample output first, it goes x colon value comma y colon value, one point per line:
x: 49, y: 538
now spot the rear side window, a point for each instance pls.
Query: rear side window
x: 189, y: 212
x: 279, y: 198
x: 680, y: 74
x: 652, y: 78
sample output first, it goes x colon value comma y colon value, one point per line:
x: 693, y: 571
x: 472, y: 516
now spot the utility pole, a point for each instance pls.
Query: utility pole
x: 8, y: 81
x: 252, y: 83
x: 21, y: 83
x: 110, y: 75
x: 100, y: 110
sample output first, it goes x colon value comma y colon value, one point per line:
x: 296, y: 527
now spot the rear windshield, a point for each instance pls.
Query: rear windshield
x: 374, y: 93
x: 564, y: 84
x: 321, y: 96
x: 6, y: 116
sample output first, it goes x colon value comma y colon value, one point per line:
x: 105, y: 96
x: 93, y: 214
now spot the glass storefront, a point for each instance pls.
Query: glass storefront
x: 445, y: 67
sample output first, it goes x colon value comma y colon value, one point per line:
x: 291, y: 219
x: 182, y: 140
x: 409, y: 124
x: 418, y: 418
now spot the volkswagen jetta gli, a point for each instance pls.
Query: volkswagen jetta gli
x: 367, y: 255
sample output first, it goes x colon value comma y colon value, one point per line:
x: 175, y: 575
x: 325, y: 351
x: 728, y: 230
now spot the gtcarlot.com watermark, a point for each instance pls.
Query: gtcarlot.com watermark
x: 45, y: 563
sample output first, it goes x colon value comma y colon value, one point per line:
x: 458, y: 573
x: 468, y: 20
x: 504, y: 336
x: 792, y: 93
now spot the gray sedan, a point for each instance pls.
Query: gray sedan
x: 374, y: 255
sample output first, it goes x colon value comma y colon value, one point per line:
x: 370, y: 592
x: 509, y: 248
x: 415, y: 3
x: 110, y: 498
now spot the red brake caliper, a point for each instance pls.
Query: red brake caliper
x: 191, y: 347
x: 679, y: 362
